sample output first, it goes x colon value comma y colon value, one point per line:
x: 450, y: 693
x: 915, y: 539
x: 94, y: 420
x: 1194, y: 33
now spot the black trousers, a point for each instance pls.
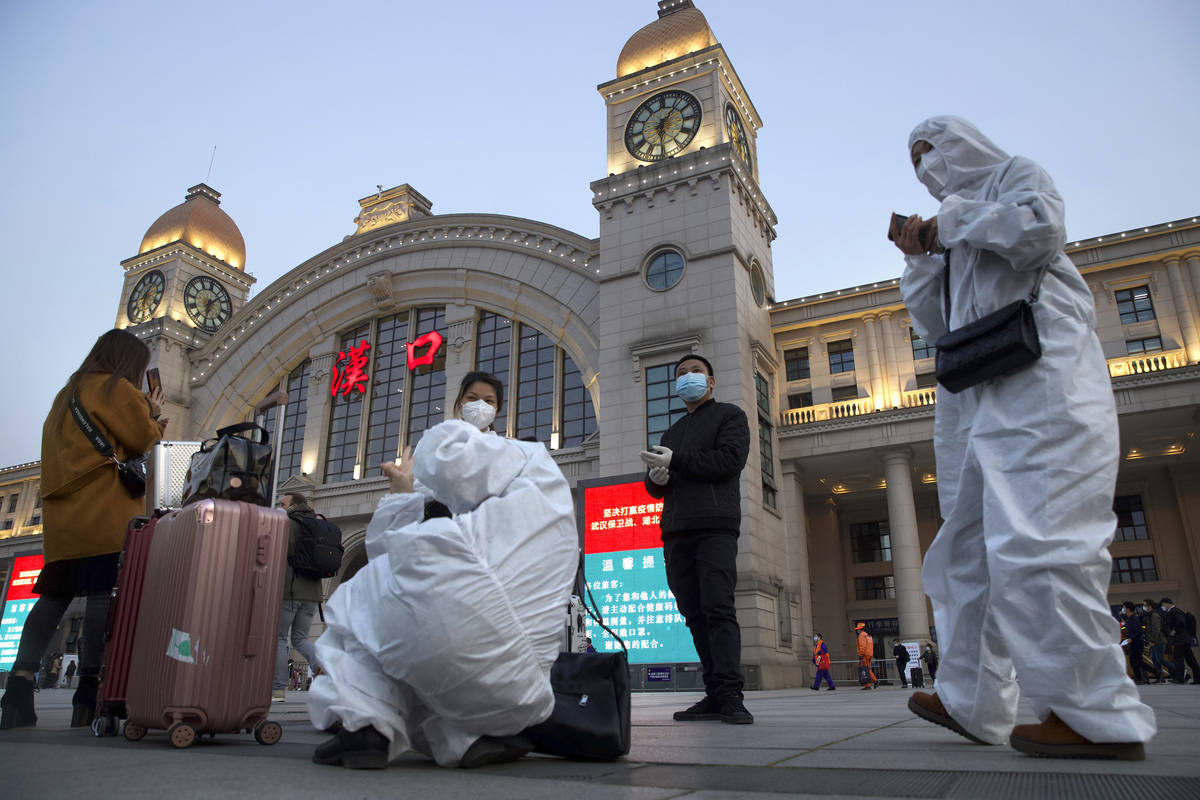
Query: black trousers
x: 702, y: 573
x: 1134, y: 651
x: 1182, y: 653
x: 900, y: 665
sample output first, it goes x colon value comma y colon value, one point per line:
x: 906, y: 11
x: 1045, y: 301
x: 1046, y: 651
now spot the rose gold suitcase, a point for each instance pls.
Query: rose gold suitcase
x: 204, y: 653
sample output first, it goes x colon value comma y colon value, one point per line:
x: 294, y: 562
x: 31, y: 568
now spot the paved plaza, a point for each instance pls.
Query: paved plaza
x: 847, y: 743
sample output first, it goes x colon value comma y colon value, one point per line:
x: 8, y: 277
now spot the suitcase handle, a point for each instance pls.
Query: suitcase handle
x: 259, y: 617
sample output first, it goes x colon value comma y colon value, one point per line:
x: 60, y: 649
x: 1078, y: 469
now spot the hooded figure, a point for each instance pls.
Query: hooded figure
x: 449, y: 632
x: 1027, y: 464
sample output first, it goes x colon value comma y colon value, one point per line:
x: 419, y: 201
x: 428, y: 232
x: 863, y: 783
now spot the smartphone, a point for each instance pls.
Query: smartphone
x: 896, y: 224
x: 153, y: 380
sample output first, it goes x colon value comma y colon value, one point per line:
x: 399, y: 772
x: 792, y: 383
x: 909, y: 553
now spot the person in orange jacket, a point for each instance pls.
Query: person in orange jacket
x: 821, y: 659
x: 866, y: 651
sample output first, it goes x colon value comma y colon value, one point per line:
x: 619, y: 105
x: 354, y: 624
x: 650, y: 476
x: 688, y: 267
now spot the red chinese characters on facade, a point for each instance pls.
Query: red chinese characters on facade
x: 433, y: 339
x: 353, y: 373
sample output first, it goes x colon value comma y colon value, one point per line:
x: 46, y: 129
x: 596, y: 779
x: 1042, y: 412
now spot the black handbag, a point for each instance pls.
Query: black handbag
x: 1001, y: 343
x: 131, y: 471
x: 591, y: 717
x: 232, y: 467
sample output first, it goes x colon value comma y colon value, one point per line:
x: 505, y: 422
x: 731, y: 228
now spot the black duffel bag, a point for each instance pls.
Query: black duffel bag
x: 591, y: 708
x: 232, y: 467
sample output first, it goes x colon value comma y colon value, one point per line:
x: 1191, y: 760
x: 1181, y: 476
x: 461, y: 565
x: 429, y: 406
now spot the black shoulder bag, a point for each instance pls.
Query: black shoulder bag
x: 131, y: 471
x: 591, y: 717
x: 1000, y: 343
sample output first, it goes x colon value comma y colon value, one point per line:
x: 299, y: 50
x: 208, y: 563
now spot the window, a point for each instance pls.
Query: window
x: 841, y: 356
x: 757, y: 285
x: 796, y: 362
x: 341, y: 452
x: 37, y: 500
x: 664, y: 270
x: 428, y: 388
x: 663, y: 407
x: 870, y: 541
x: 291, y: 444
x: 1134, y: 305
x: 926, y: 380
x: 36, y: 519
x: 876, y: 587
x: 1131, y: 519
x: 801, y: 400
x: 578, y: 418
x: 390, y: 373
x: 921, y: 348
x: 1147, y: 345
x: 12, y: 503
x: 493, y: 349
x: 766, y: 449
x: 535, y: 385
x: 6, y: 525
x: 842, y: 393
x: 1138, y: 569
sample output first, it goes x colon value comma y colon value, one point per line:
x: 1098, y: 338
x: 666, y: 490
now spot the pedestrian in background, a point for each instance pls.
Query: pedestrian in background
x: 301, y: 596
x: 1180, y: 638
x: 86, y: 510
x: 900, y: 653
x: 1133, y: 638
x: 821, y: 660
x: 931, y: 661
x: 866, y: 652
x: 71, y: 674
x: 695, y: 473
x: 1027, y: 465
x: 1156, y: 640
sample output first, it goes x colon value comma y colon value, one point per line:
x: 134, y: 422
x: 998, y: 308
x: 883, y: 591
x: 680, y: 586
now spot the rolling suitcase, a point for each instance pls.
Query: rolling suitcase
x: 204, y: 655
x: 917, y: 678
x: 122, y: 626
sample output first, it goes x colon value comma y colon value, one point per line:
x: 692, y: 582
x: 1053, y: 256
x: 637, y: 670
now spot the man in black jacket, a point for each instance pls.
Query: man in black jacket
x: 695, y: 472
x: 1180, y: 639
x: 900, y: 653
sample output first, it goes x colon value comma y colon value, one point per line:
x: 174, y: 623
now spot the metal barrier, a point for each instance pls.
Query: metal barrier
x: 847, y: 671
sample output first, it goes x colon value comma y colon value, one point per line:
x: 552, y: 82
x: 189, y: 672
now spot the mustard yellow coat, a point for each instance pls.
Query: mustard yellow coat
x: 85, y: 508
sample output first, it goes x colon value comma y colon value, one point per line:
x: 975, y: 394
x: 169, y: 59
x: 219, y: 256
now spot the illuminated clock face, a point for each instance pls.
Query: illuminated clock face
x: 662, y: 126
x: 207, y: 303
x: 737, y: 134
x: 146, y: 296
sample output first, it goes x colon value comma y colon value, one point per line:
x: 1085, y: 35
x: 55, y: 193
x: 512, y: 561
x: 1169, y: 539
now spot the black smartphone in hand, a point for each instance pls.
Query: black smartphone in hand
x: 896, y: 224
x: 153, y: 380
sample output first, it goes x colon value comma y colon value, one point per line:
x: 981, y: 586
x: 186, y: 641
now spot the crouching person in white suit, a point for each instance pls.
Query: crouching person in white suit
x: 444, y: 641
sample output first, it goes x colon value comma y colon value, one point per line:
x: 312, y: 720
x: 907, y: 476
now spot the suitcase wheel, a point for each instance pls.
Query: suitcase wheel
x: 181, y: 735
x: 134, y: 732
x: 105, y: 725
x: 267, y: 732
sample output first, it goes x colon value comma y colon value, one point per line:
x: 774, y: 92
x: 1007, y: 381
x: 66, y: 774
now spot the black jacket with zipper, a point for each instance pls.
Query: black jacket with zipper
x: 709, y: 448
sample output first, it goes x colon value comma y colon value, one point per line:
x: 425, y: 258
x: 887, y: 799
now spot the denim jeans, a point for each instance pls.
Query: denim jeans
x: 296, y: 618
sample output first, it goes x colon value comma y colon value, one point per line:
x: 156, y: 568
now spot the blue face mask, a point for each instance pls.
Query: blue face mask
x: 691, y: 386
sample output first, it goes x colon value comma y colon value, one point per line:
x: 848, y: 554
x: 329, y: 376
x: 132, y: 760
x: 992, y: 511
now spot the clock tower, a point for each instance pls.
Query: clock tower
x: 685, y: 267
x: 185, y: 282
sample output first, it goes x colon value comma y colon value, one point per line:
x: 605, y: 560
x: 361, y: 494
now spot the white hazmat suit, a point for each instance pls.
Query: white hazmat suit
x: 450, y: 630
x: 1026, y: 463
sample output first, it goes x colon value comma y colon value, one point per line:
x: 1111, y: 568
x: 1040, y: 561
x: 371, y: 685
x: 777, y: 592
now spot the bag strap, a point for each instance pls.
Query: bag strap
x: 595, y: 614
x: 102, y: 445
x: 242, y: 427
x: 1033, y: 295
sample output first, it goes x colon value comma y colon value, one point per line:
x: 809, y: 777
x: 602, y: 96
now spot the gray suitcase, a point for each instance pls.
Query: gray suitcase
x: 166, y: 474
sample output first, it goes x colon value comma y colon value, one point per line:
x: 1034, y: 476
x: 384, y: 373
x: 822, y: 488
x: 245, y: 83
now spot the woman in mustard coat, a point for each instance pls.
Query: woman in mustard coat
x: 86, y: 510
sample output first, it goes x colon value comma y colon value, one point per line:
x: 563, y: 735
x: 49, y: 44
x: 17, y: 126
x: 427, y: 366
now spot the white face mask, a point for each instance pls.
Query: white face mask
x: 932, y: 171
x: 479, y: 413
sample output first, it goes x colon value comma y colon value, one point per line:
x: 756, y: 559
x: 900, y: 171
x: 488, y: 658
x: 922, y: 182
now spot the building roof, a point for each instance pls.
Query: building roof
x: 200, y: 222
x: 680, y: 29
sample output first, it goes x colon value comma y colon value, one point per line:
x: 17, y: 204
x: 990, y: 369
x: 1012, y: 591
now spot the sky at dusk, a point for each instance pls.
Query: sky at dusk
x: 111, y: 111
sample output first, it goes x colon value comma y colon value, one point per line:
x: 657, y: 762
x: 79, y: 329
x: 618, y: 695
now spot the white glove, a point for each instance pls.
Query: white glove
x: 657, y: 456
x: 659, y: 475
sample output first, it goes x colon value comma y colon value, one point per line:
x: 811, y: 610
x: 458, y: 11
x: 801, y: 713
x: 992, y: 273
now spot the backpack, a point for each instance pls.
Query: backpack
x: 318, y: 550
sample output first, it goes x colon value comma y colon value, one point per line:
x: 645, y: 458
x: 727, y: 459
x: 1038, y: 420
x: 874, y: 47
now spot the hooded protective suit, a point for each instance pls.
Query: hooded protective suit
x: 449, y: 632
x: 1027, y: 463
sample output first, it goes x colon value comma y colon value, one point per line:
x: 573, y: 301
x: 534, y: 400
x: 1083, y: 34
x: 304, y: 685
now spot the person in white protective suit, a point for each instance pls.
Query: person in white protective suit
x: 1026, y: 465
x: 444, y: 641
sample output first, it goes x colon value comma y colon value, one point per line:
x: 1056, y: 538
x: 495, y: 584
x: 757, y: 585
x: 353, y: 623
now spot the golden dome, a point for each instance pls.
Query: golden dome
x: 200, y: 222
x: 679, y: 30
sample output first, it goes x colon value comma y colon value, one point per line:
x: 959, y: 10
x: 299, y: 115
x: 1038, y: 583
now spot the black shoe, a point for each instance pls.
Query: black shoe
x: 814, y: 688
x: 362, y: 749
x: 83, y: 702
x: 734, y: 712
x: 495, y: 750
x: 833, y: 688
x: 17, y: 704
x: 704, y: 711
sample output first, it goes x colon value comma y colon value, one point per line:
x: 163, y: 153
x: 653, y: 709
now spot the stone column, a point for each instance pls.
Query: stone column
x: 460, y: 349
x: 1183, y: 307
x: 893, y: 390
x: 799, y: 580
x: 906, y: 547
x: 316, y: 421
x: 877, y: 401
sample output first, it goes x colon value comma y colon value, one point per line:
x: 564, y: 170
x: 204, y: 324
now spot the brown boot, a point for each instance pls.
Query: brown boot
x: 927, y: 706
x: 1055, y: 739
